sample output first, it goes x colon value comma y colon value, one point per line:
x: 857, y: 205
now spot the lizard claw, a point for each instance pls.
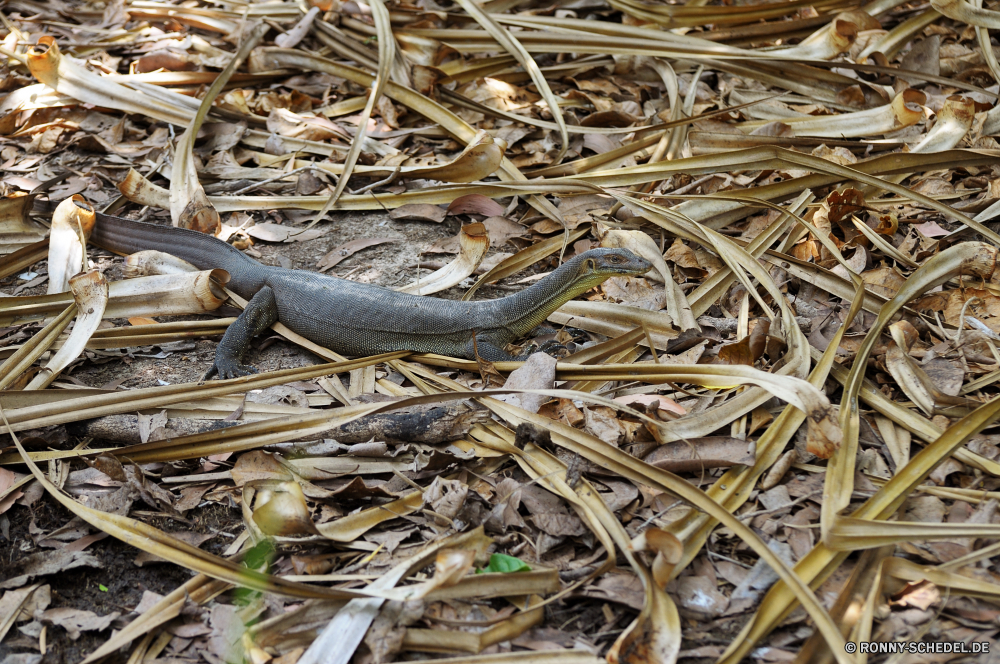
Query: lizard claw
x: 580, y: 337
x: 230, y: 369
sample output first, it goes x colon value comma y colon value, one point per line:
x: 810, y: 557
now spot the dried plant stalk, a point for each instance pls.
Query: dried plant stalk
x: 90, y: 290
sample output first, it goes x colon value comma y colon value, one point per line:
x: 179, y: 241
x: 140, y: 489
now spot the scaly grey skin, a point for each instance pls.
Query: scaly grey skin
x: 362, y: 319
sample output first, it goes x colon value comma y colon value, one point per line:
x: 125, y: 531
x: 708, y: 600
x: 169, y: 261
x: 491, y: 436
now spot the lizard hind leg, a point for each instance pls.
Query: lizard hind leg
x: 492, y: 353
x: 261, y: 313
x: 487, y: 351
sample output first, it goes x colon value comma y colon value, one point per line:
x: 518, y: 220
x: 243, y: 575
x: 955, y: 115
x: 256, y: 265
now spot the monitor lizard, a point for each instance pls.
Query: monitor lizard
x: 358, y: 319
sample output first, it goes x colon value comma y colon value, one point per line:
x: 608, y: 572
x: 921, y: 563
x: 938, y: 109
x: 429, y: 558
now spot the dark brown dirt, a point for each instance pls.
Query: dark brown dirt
x: 81, y: 589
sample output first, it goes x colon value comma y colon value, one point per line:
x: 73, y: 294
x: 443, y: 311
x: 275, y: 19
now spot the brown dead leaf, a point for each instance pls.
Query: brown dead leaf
x: 537, y: 373
x: 75, y: 621
x: 419, y: 212
x: 475, y: 204
x: 550, y: 514
x: 947, y: 376
x: 697, y: 454
x: 682, y: 255
x: 661, y: 402
x: 347, y: 250
x: 635, y: 292
x: 501, y: 230
x: 885, y: 281
x: 43, y: 564
x: 845, y: 203
x: 737, y: 353
x: 256, y: 466
x: 602, y: 423
x: 153, y: 427
x: 445, y: 498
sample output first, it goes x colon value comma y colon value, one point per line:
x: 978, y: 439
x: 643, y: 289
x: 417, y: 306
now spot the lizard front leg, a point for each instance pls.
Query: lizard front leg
x: 261, y: 313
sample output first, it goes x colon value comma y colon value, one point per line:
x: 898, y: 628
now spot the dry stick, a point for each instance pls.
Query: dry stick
x: 797, y: 501
x: 274, y: 179
x: 376, y: 185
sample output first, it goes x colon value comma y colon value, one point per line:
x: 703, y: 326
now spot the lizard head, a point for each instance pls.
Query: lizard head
x: 597, y: 265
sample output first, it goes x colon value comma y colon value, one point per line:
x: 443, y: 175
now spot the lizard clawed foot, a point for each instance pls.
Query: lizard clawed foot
x: 553, y: 348
x: 229, y: 369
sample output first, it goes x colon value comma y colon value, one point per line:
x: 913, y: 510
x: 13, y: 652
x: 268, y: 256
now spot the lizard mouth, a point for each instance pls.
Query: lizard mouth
x: 635, y: 267
x: 616, y: 262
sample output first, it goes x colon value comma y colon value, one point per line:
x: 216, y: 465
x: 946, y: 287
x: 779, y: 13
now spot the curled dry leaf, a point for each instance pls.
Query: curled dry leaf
x: 953, y: 122
x: 845, y: 203
x: 834, y: 38
x: 282, y: 511
x: 90, y: 291
x: 170, y: 294
x: 189, y: 204
x: 654, y: 636
x: 15, y: 229
x: 48, y: 65
x: 906, y: 109
x: 475, y: 242
x: 667, y: 548
x: 962, y: 11
x: 149, y: 263
x: 72, y: 222
x: 479, y: 160
x: 451, y: 566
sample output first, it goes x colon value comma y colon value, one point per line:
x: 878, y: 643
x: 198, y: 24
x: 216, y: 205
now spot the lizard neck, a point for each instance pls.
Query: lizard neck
x: 519, y: 313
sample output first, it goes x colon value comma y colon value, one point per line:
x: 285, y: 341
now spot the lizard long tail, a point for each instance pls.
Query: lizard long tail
x: 124, y: 236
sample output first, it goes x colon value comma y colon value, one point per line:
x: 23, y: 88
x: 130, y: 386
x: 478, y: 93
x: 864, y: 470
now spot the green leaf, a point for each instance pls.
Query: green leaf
x: 103, y: 588
x: 501, y: 564
x: 259, y: 558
